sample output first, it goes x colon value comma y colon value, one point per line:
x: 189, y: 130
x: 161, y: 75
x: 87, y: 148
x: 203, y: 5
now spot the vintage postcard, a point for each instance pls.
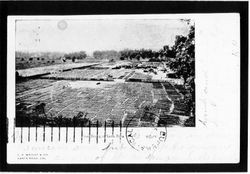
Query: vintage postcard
x: 123, y: 89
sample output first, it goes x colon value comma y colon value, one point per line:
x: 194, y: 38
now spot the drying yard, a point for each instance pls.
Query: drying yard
x: 104, y: 94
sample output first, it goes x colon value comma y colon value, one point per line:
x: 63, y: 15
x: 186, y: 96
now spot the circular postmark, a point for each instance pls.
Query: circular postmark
x: 62, y: 25
x: 147, y: 136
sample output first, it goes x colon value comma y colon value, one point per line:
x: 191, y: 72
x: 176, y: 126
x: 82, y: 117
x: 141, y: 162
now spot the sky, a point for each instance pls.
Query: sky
x: 97, y: 34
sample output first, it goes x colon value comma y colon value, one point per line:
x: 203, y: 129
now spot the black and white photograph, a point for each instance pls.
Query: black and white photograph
x: 136, y: 72
x: 151, y: 88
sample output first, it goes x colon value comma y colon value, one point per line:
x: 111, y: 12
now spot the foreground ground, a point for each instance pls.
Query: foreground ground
x: 115, y: 96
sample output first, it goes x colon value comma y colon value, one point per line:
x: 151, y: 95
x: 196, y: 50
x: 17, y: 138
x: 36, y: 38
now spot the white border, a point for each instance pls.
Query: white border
x: 217, y: 98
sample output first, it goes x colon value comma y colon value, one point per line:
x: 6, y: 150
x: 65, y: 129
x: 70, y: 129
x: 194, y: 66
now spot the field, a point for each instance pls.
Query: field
x: 107, y: 101
x: 90, y: 74
x: 38, y: 71
x: 81, y: 94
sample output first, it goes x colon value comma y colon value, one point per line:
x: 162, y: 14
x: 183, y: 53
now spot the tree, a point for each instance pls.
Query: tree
x: 108, y: 54
x: 76, y: 55
x: 130, y: 54
x: 82, y: 55
x: 138, y: 57
x: 184, y: 65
